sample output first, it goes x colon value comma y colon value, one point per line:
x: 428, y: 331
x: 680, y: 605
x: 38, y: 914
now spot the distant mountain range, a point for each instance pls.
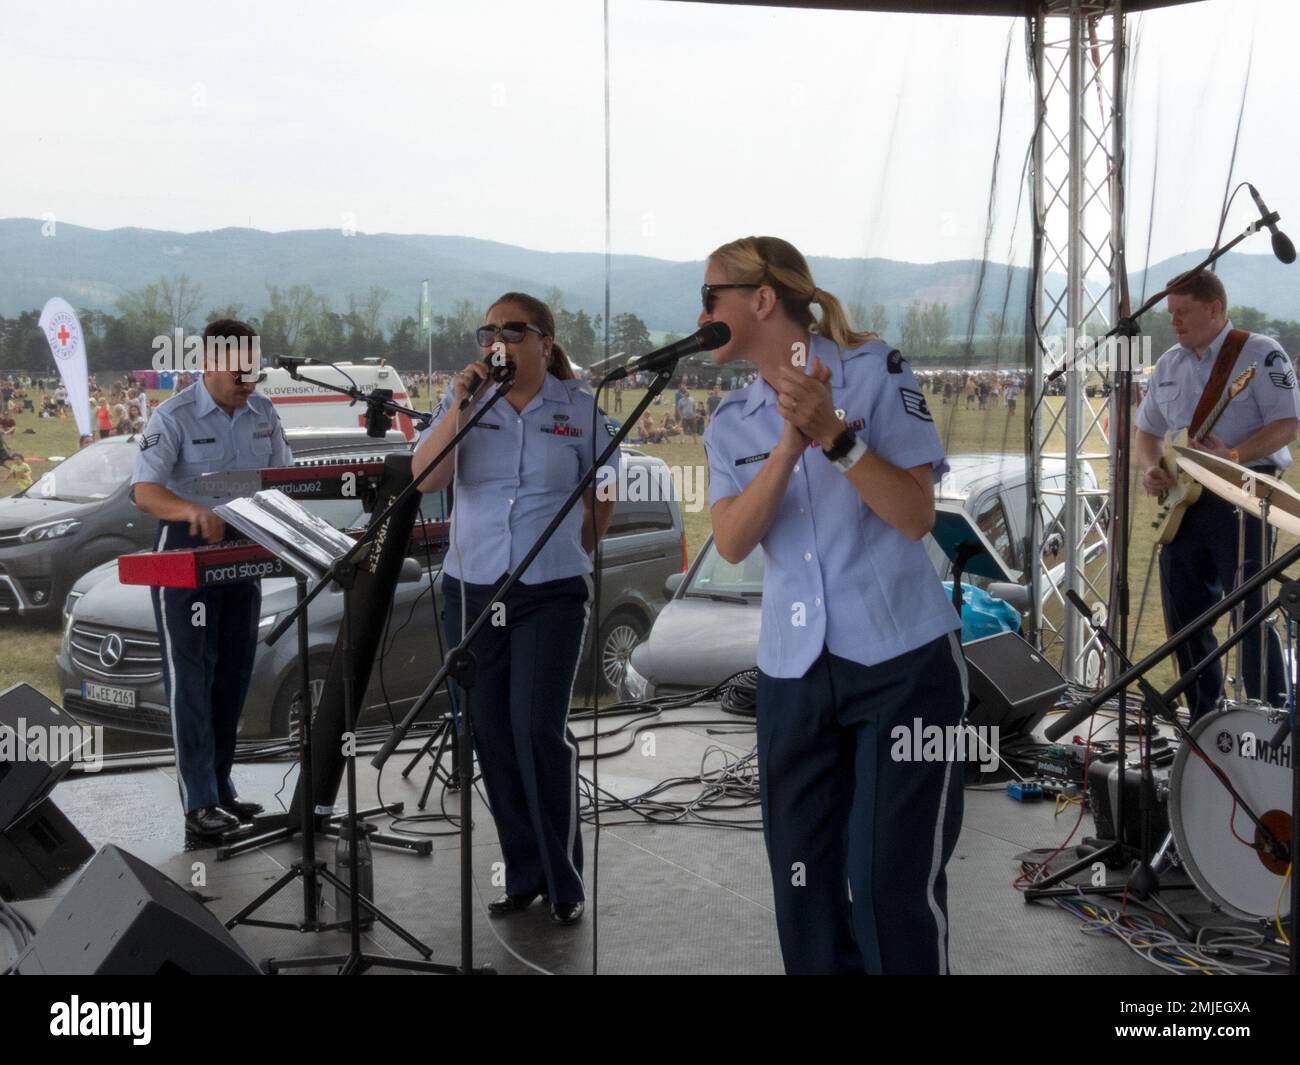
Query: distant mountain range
x: 91, y: 268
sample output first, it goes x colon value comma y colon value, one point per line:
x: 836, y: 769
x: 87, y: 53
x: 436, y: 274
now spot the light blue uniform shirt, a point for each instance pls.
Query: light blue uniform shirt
x: 835, y: 574
x: 189, y: 434
x: 1180, y: 377
x: 515, y: 471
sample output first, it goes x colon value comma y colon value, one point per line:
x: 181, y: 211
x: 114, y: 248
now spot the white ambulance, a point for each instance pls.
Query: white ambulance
x: 304, y: 406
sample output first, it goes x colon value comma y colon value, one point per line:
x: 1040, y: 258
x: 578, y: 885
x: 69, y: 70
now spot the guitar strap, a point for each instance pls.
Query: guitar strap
x: 1232, y: 345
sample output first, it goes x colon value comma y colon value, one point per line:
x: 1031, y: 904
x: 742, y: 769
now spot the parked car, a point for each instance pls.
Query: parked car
x: 709, y: 629
x: 109, y: 659
x: 80, y: 514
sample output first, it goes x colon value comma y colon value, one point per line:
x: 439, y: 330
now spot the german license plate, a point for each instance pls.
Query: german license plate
x: 102, y: 693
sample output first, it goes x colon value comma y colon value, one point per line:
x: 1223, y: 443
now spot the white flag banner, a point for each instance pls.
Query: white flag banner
x: 68, y: 346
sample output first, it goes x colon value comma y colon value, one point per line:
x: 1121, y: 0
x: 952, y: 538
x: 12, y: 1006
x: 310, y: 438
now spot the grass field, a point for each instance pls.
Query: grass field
x: 28, y: 650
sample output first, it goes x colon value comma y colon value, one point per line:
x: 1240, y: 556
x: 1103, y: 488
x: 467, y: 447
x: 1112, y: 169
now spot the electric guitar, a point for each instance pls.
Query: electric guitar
x: 1175, y: 501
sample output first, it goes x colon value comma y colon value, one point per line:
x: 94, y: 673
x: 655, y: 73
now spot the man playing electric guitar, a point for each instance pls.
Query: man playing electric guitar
x: 1200, y: 563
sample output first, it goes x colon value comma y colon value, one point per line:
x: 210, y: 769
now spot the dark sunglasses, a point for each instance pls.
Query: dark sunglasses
x: 708, y: 298
x: 511, y: 333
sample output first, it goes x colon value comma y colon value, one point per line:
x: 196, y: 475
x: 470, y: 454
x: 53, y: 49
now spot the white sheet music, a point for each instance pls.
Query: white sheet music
x: 287, y: 530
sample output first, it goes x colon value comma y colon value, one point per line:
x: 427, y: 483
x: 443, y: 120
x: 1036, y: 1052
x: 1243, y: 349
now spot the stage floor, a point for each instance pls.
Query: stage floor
x: 672, y: 898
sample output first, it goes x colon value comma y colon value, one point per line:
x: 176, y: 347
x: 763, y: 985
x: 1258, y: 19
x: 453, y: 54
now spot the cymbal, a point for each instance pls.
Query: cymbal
x: 1243, y: 487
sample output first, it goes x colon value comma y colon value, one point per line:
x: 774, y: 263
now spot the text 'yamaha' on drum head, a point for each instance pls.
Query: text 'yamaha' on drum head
x: 1243, y: 881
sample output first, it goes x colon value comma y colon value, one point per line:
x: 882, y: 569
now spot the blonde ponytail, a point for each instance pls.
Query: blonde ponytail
x: 776, y: 262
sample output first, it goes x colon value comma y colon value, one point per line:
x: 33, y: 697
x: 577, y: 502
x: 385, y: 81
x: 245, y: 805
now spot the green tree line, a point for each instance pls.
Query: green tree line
x: 297, y: 320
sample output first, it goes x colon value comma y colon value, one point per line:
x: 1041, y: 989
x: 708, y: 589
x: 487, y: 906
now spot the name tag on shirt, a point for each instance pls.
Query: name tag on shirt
x: 752, y: 458
x: 205, y: 440
x: 487, y: 425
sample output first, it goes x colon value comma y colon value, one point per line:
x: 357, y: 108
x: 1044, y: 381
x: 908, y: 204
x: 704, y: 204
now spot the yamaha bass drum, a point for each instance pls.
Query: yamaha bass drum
x: 1221, y: 848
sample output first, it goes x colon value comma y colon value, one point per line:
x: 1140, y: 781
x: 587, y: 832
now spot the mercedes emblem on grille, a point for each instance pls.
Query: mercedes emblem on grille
x: 110, y: 650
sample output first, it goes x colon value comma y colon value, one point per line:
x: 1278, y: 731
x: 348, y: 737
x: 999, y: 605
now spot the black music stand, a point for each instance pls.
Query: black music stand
x: 314, y: 550
x: 310, y: 868
x: 967, y: 548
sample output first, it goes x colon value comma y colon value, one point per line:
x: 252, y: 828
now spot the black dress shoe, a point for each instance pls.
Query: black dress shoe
x: 210, y: 821
x: 245, y: 811
x: 508, y: 904
x: 566, y: 912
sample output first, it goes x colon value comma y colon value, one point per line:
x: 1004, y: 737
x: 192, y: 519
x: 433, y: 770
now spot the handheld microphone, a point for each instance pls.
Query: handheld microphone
x: 498, y: 372
x: 1282, y: 246
x: 713, y: 335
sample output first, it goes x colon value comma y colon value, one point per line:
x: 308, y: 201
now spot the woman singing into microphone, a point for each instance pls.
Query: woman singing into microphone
x: 513, y: 471
x: 828, y: 460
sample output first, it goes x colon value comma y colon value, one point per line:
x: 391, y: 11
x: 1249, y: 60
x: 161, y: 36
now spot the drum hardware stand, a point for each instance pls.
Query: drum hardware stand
x: 343, y: 572
x: 1265, y: 536
x: 1238, y: 679
x: 1166, y: 855
x: 1289, y: 597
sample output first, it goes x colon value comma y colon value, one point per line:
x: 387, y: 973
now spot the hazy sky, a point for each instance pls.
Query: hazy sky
x: 849, y: 133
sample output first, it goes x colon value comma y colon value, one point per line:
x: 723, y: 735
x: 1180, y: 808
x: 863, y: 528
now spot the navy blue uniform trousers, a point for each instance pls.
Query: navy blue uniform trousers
x: 1196, y: 569
x: 519, y: 712
x: 858, y: 841
x: 206, y: 670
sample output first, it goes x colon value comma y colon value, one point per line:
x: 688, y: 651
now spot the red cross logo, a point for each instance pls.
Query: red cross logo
x: 63, y: 335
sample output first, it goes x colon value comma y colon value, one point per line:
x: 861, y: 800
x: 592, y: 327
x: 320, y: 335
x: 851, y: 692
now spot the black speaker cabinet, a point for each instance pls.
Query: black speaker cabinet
x: 1011, y: 685
x: 31, y: 730
x: 124, y: 918
x: 38, y: 851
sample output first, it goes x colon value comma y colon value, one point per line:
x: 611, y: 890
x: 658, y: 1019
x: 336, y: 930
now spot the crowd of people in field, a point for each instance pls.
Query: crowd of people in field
x: 988, y: 390
x: 124, y: 407
x: 120, y: 409
x: 691, y: 405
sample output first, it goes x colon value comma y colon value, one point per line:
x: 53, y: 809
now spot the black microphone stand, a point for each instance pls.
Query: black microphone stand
x: 460, y: 663
x: 343, y: 572
x: 379, y: 402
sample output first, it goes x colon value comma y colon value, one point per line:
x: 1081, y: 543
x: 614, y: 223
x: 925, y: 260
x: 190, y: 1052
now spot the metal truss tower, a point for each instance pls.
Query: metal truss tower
x: 1078, y: 52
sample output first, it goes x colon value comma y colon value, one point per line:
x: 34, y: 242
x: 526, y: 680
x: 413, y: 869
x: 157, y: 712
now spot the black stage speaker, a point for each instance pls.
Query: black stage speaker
x: 124, y: 918
x: 38, y: 851
x: 1011, y: 685
x: 25, y: 715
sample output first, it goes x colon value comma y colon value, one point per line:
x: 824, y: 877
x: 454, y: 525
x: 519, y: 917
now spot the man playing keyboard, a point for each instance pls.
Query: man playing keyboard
x: 208, y: 635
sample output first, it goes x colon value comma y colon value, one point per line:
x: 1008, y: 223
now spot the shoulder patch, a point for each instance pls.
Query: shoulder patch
x: 148, y: 440
x: 1280, y: 372
x: 914, y: 404
x: 894, y: 360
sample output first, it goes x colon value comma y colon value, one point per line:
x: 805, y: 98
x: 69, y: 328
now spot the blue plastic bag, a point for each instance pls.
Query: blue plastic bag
x: 982, y: 614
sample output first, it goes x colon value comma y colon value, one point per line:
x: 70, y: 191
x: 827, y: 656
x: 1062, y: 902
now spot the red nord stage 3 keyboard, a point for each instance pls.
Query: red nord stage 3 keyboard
x: 235, y: 560
x: 241, y: 560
